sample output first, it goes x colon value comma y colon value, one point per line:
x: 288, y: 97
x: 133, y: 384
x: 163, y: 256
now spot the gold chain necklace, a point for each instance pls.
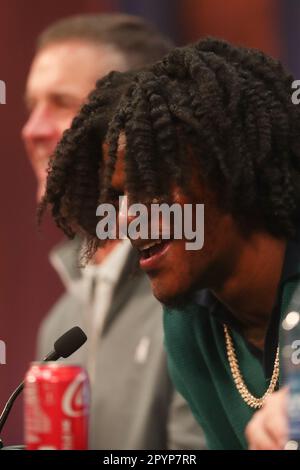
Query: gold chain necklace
x: 248, y: 398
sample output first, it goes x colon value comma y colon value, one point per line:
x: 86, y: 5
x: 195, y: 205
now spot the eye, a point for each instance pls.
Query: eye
x: 64, y: 101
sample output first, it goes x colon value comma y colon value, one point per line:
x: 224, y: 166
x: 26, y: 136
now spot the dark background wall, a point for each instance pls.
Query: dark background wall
x: 28, y: 286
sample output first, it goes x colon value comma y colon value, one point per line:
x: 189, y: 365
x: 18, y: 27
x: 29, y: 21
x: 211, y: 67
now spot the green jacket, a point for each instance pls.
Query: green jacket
x: 198, y: 360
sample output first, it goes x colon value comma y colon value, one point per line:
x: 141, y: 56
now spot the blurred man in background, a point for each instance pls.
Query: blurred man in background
x: 134, y: 404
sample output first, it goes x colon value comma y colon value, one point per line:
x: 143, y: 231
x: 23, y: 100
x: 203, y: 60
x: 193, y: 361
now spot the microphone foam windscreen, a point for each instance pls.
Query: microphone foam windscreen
x: 70, y: 341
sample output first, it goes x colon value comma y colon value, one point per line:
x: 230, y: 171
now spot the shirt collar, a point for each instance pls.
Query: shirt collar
x: 64, y: 258
x: 78, y: 281
x: 291, y: 264
x: 111, y: 267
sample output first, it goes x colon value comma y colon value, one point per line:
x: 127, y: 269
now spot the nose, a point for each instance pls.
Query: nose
x: 40, y: 125
x: 130, y: 211
x: 125, y: 216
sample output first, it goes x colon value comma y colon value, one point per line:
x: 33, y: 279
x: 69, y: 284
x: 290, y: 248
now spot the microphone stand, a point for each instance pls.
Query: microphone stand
x: 8, y: 407
x: 52, y: 356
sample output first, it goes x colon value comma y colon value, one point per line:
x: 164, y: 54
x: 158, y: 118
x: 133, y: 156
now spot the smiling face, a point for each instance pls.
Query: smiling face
x: 60, y: 78
x: 174, y: 271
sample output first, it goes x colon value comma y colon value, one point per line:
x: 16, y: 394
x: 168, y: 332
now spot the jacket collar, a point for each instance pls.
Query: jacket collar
x: 65, y: 259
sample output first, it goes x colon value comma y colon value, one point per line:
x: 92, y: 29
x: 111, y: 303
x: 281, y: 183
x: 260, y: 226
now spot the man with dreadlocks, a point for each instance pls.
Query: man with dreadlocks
x: 134, y: 403
x: 213, y: 124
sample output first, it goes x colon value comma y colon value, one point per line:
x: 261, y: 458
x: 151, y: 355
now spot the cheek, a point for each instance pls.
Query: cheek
x: 182, y: 263
x: 64, y: 122
x: 175, y: 279
x: 187, y: 267
x: 62, y: 119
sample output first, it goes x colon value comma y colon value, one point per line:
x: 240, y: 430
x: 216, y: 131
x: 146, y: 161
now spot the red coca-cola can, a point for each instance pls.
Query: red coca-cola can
x: 56, y: 407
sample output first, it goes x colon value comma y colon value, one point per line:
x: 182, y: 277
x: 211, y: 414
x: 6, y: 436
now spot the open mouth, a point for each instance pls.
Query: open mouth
x: 152, y: 252
x: 152, y: 248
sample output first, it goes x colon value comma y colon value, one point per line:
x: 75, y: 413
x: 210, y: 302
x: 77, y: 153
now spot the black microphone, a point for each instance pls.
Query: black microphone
x: 64, y: 346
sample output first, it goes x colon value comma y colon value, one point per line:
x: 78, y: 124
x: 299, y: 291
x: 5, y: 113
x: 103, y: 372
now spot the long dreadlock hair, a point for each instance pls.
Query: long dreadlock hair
x: 229, y: 106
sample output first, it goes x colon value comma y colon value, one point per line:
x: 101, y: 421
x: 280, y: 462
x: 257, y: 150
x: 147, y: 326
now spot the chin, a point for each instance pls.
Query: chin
x: 172, y: 299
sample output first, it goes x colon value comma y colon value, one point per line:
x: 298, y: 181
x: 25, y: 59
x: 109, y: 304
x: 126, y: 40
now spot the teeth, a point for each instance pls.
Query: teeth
x: 149, y: 245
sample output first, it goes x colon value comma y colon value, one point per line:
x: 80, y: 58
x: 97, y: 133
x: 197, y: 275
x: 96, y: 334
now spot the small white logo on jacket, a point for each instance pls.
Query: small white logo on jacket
x: 142, y: 350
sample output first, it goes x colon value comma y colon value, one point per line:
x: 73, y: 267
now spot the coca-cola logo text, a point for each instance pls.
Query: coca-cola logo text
x: 76, y: 397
